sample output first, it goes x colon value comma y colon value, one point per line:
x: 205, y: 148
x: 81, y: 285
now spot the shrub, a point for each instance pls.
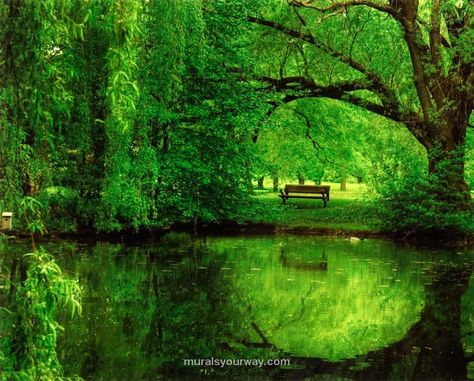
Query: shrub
x: 422, y: 203
x: 61, y: 207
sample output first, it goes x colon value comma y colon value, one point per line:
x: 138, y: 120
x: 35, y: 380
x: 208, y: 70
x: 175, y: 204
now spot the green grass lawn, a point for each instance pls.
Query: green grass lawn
x: 346, y: 210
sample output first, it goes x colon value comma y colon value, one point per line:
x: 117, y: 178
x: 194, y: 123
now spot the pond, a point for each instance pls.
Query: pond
x: 334, y: 308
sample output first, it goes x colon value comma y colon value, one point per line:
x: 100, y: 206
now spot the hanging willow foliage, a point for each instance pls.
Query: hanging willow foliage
x: 119, y: 196
x: 33, y: 40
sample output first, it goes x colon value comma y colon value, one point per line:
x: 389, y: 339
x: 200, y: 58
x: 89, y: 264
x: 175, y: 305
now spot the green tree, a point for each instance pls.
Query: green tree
x: 409, y: 61
x: 33, y: 40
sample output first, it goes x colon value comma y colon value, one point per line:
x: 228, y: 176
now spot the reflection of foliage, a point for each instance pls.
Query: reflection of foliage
x: 152, y: 308
x: 359, y: 304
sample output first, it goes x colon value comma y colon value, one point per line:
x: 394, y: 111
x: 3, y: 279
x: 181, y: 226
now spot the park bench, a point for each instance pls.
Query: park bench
x: 305, y: 191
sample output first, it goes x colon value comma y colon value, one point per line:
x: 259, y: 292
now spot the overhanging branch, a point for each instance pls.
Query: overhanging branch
x: 376, y: 83
x: 308, y: 37
x: 346, y: 4
x: 343, y: 92
x: 303, y: 87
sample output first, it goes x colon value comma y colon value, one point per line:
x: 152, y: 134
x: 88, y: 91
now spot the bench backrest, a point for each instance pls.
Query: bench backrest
x: 294, y: 188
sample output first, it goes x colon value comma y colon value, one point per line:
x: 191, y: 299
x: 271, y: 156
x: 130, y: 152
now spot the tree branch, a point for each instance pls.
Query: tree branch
x: 435, y: 32
x: 446, y: 44
x: 377, y: 85
x: 315, y: 143
x: 308, y: 37
x: 308, y: 88
x: 353, y: 3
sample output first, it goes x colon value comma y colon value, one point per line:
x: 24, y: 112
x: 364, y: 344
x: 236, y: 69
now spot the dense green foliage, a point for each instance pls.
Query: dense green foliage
x: 33, y: 291
x: 133, y: 114
x: 29, y: 327
x: 417, y: 203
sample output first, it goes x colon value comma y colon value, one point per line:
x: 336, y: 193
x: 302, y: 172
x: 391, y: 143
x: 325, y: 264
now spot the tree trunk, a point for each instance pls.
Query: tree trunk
x: 275, y: 184
x: 166, y: 138
x: 343, y: 183
x: 260, y: 182
x: 300, y: 179
x: 446, y: 166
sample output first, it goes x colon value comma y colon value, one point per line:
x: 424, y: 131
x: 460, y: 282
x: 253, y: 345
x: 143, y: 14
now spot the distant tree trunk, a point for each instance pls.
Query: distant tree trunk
x: 359, y: 179
x: 3, y: 177
x: 343, y: 183
x: 249, y: 186
x: 300, y: 179
x: 260, y: 182
x: 275, y: 184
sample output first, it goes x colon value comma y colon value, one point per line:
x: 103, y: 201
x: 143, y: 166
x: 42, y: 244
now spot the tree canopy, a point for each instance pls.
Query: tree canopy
x: 129, y: 114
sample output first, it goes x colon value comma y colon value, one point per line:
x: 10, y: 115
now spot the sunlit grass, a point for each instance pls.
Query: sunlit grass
x: 347, y: 210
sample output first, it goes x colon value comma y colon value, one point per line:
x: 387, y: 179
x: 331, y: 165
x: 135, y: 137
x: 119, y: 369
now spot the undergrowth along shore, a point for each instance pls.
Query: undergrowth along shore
x: 349, y: 213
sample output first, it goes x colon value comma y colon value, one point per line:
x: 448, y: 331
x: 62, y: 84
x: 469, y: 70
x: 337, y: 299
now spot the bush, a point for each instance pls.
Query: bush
x: 62, y: 206
x: 422, y: 203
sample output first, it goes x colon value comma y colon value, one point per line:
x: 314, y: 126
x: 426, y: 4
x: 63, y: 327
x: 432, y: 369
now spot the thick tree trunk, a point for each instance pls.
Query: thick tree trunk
x: 260, y: 182
x: 446, y: 166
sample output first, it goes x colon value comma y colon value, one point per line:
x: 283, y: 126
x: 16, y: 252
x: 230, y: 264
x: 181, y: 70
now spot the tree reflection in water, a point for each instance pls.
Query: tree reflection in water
x: 366, y: 311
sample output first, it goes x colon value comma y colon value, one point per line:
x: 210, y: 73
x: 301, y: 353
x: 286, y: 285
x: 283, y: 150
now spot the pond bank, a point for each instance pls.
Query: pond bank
x: 448, y: 239
x: 229, y: 228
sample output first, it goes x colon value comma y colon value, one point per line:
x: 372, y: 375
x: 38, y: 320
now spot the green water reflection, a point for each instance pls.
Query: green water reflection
x: 352, y: 309
x: 368, y: 296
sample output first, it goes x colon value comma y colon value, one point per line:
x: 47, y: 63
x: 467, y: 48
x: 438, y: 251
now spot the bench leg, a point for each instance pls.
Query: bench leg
x: 284, y: 200
x: 324, y: 203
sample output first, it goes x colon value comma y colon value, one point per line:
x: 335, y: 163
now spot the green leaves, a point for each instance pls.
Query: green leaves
x: 424, y: 203
x: 30, y: 210
x: 32, y: 326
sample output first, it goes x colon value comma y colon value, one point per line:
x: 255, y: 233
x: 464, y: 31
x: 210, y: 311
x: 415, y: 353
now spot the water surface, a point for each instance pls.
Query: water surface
x: 337, y: 308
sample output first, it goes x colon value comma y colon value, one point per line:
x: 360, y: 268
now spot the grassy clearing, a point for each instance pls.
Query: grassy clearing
x: 347, y: 210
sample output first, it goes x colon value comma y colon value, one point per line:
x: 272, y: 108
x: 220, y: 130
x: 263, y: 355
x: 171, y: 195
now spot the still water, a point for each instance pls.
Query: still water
x: 338, y: 309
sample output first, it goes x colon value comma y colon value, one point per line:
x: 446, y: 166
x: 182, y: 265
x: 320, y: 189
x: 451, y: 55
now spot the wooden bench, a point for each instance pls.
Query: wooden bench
x: 305, y: 191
